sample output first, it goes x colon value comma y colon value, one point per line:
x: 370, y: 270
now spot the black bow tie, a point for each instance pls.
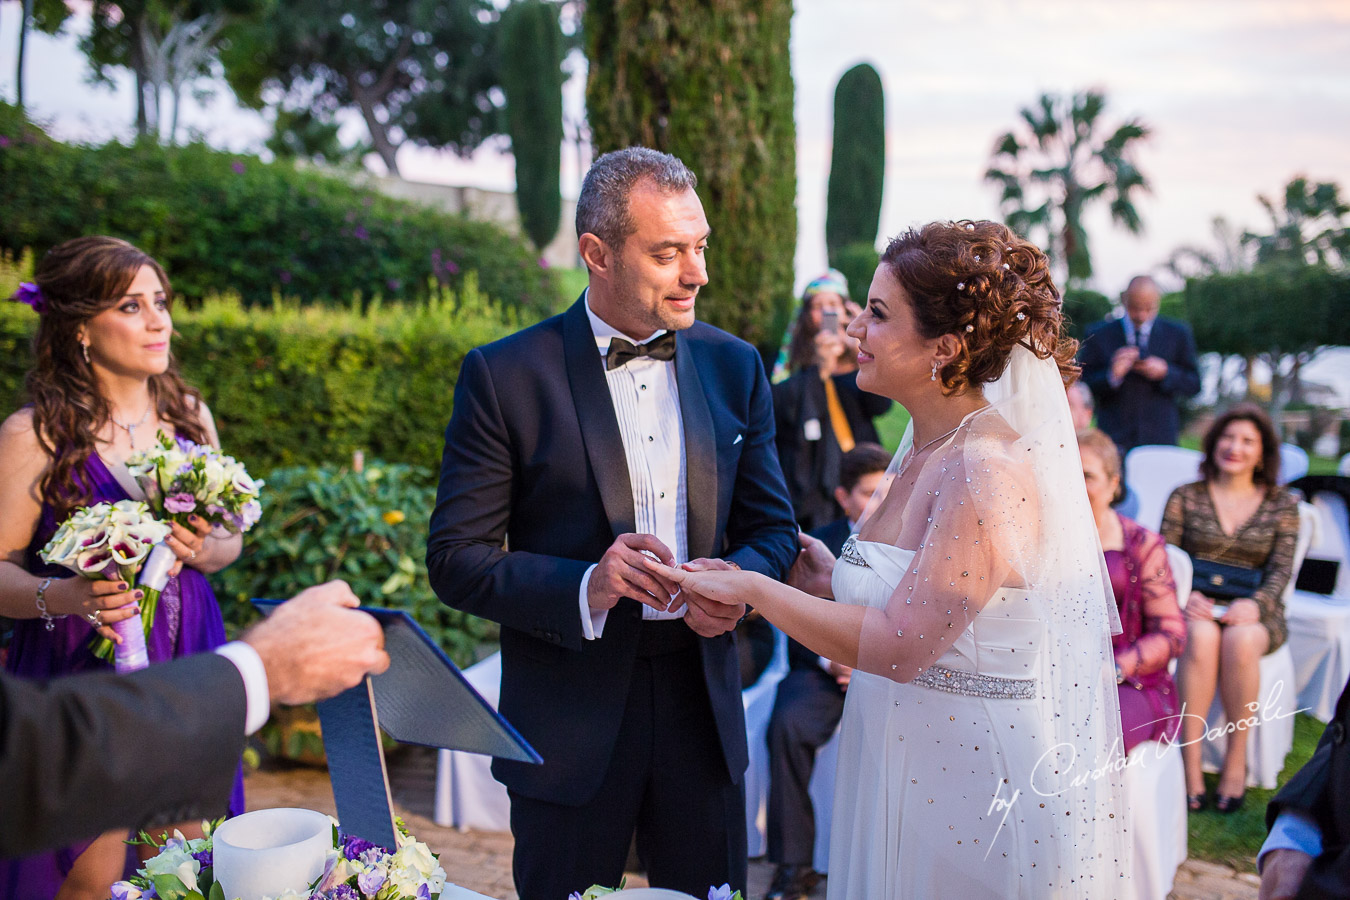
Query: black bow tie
x: 621, y: 351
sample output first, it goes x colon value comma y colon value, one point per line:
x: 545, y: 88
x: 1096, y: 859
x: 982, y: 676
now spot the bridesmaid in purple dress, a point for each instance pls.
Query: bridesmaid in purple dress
x: 103, y: 383
x: 1153, y: 630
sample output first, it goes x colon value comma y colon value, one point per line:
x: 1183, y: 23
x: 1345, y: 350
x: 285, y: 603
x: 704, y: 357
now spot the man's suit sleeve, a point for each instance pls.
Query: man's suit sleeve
x: 90, y: 753
x: 1310, y: 792
x: 468, y: 566
x: 1094, y: 355
x: 761, y: 532
x: 1183, y: 372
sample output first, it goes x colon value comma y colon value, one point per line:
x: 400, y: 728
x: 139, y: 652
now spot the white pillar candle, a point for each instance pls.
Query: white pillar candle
x: 268, y: 851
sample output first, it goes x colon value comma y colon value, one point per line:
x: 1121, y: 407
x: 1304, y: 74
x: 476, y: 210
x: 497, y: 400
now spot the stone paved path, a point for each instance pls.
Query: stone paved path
x: 481, y: 861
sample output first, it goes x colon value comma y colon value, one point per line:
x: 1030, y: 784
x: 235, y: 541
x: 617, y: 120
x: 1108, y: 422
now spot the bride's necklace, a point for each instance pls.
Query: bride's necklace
x: 130, y: 427
x: 904, y: 467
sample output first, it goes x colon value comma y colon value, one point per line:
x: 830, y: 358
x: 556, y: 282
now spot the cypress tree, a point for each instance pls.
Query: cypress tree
x: 710, y: 81
x: 858, y: 162
x: 532, y: 79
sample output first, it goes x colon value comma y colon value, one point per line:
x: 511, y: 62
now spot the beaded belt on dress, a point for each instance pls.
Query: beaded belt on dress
x: 970, y: 684
x: 850, y: 554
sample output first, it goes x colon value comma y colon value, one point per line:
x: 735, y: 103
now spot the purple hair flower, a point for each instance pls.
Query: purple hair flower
x: 31, y: 295
x: 181, y: 502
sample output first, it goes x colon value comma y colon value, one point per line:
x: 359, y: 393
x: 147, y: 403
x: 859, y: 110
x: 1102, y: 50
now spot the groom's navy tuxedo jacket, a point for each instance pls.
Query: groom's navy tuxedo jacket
x: 533, y: 460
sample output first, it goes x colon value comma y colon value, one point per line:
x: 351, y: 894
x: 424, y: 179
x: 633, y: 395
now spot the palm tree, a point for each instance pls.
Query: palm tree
x: 1060, y: 160
x: 1311, y: 228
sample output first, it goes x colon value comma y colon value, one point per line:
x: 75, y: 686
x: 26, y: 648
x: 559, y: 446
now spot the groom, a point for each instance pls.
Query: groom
x: 618, y: 428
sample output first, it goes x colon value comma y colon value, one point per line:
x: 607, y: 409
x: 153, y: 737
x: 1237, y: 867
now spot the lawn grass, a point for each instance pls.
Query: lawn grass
x: 1234, y: 839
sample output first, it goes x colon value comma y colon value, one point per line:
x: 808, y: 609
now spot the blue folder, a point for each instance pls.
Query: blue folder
x: 422, y: 698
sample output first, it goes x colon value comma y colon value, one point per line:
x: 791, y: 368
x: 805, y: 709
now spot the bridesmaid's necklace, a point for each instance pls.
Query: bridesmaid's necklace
x: 130, y: 427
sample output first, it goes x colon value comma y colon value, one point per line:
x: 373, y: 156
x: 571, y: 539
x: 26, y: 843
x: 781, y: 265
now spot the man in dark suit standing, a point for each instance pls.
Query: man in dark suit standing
x: 72, y: 750
x: 1307, y: 854
x: 618, y: 428
x: 1140, y: 367
x: 810, y: 701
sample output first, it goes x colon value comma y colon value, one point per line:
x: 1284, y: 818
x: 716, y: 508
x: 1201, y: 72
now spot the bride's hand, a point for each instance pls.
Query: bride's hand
x: 813, y: 568
x: 728, y: 587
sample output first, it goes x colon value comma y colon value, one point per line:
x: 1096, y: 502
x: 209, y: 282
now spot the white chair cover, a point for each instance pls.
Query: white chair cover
x: 758, y: 699
x: 1155, y: 793
x: 1153, y: 472
x: 1272, y: 736
x: 1293, y: 463
x: 1343, y: 467
x: 822, y: 799
x: 467, y: 796
x: 1319, y: 625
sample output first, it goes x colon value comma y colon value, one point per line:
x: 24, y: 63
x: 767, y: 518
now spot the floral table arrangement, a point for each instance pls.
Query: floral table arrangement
x: 354, y: 870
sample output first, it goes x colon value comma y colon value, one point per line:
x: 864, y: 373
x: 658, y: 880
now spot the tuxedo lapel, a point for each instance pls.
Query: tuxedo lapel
x: 595, y: 414
x: 700, y: 452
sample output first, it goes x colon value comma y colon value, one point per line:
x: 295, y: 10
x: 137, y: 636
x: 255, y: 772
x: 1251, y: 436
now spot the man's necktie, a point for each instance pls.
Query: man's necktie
x: 621, y: 351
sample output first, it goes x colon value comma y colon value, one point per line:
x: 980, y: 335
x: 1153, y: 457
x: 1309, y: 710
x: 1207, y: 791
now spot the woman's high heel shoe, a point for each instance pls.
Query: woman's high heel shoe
x: 1229, y: 805
x: 1197, y: 802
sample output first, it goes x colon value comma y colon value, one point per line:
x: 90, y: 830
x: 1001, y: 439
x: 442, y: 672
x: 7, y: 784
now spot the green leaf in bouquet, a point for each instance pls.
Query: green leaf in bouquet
x: 217, y: 892
x: 169, y: 887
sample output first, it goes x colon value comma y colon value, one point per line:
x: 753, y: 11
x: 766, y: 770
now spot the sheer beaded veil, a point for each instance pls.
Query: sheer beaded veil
x: 1000, y: 507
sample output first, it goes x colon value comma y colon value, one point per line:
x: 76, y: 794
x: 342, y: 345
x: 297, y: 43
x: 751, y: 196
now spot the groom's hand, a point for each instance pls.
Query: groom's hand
x: 620, y: 574
x: 709, y: 618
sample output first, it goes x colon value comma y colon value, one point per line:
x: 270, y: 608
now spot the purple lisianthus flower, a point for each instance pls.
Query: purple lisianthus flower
x: 342, y: 892
x: 423, y: 892
x: 720, y: 893
x: 30, y: 294
x: 373, y: 855
x: 182, y: 502
x: 125, y: 890
x: 353, y: 846
x: 203, y: 857
x: 370, y: 883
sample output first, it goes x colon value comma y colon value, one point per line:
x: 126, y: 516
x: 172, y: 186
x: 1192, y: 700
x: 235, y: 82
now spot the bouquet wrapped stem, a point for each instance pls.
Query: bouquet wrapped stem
x: 132, y: 654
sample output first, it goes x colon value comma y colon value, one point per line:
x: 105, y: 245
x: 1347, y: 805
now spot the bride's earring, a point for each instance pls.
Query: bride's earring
x: 85, y: 349
x: 932, y: 377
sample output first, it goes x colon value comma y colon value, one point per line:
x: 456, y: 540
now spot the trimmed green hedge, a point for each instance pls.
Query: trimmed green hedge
x: 224, y: 223
x: 310, y: 385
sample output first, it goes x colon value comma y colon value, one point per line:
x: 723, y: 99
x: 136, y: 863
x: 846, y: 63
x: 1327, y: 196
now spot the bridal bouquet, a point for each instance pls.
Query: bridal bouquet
x: 113, y: 542
x: 181, y: 479
x: 355, y: 870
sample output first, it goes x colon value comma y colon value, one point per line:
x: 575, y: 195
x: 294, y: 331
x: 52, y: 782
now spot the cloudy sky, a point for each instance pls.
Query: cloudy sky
x: 1241, y: 96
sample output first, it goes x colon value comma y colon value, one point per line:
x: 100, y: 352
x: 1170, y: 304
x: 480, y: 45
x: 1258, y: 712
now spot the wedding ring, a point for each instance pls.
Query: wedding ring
x: 95, y: 618
x: 192, y: 555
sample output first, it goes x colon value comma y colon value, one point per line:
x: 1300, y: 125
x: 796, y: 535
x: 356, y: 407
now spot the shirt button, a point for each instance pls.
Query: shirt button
x: 643, y: 387
x: 663, y: 495
x: 650, y: 438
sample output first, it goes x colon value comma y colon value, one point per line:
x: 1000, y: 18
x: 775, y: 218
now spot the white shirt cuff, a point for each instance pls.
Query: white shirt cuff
x: 1292, y: 831
x: 250, y: 665
x: 592, y: 620
x: 824, y: 662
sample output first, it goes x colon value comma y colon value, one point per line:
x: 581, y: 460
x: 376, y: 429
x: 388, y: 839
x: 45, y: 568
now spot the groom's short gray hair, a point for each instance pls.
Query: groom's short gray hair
x: 602, y: 208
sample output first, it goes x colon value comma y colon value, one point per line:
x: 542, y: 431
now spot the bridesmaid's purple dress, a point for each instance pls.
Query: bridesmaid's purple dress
x: 188, y: 621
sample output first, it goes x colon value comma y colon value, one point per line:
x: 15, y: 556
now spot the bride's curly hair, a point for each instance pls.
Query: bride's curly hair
x: 990, y: 289
x: 80, y: 279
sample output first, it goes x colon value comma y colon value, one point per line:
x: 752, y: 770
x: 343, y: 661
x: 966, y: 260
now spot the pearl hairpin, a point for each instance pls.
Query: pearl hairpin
x: 969, y: 329
x: 1008, y: 267
x: 970, y: 226
x: 977, y: 257
x: 960, y: 285
x: 1021, y: 317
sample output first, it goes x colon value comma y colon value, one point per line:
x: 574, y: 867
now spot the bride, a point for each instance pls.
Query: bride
x: 980, y: 742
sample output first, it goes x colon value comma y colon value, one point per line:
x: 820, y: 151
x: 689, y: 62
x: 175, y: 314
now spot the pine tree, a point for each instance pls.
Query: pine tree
x: 711, y: 82
x: 532, y: 79
x: 858, y: 164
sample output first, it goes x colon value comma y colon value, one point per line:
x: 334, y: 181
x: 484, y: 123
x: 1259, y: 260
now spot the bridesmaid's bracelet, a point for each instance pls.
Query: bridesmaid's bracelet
x: 48, y: 620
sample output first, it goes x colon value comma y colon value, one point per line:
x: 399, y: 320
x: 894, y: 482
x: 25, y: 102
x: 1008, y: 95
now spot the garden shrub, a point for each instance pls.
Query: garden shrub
x: 311, y: 385
x: 226, y: 223
x: 368, y: 528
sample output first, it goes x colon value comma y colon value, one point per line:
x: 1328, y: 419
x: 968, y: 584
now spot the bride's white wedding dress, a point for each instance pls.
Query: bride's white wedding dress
x: 920, y: 764
x: 980, y: 750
